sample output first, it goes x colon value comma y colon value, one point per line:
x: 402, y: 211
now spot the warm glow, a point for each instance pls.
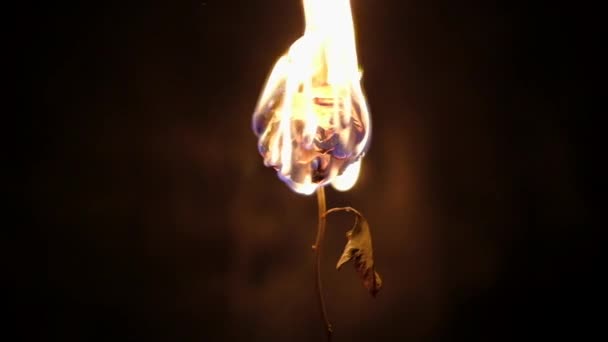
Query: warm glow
x: 312, y: 119
x: 348, y: 178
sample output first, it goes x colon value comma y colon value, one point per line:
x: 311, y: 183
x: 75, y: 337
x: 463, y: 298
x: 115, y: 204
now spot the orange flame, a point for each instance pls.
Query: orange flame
x: 312, y: 119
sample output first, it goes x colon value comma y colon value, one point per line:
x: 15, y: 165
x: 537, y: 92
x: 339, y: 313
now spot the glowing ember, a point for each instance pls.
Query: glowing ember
x: 312, y: 119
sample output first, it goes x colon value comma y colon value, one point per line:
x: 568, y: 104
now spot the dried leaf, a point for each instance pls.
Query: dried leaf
x: 359, y: 249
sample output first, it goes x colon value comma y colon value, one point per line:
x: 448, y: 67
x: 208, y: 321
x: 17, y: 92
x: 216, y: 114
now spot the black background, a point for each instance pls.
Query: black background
x: 157, y: 221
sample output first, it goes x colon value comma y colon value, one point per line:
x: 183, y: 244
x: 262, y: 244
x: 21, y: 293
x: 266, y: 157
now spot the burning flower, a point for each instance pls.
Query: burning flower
x: 312, y: 119
x: 313, y: 126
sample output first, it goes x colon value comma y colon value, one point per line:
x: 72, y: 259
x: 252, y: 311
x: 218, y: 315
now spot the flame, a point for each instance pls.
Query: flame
x: 312, y: 119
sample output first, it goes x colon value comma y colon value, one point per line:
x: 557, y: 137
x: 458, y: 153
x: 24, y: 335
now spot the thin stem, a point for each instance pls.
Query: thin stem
x: 347, y: 209
x: 317, y: 264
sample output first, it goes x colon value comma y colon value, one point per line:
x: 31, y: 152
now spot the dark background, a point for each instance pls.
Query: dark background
x: 155, y: 219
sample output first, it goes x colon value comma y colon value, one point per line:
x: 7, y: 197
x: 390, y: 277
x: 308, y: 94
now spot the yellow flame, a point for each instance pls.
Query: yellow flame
x: 348, y: 178
x: 312, y: 119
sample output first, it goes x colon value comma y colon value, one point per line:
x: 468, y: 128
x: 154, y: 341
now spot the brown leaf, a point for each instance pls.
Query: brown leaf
x: 359, y: 249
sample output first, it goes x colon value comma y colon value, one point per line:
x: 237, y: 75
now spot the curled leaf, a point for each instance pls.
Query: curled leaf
x: 359, y: 249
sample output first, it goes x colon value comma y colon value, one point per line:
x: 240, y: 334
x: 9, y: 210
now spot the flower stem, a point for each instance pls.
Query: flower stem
x: 317, y: 264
